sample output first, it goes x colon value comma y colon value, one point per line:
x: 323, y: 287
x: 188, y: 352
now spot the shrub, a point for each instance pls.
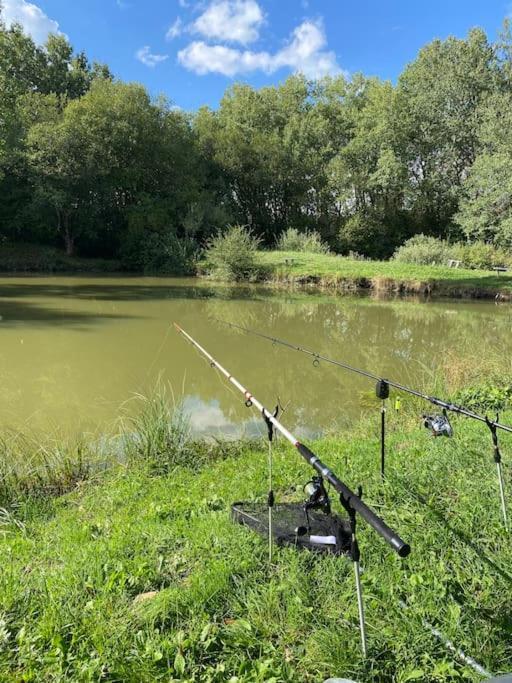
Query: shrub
x: 309, y: 241
x: 231, y: 255
x: 166, y: 253
x: 366, y: 234
x: 486, y: 397
x: 482, y: 255
x: 426, y: 250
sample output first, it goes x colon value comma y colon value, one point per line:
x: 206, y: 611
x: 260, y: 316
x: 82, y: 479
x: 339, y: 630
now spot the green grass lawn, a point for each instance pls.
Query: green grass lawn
x: 334, y: 269
x: 73, y: 566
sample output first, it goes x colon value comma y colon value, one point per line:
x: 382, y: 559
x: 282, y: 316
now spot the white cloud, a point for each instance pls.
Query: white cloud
x: 31, y: 17
x: 174, y: 30
x: 235, y: 21
x: 304, y: 53
x: 145, y: 56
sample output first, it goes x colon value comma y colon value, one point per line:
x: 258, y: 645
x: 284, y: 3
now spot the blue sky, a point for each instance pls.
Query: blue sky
x: 191, y: 50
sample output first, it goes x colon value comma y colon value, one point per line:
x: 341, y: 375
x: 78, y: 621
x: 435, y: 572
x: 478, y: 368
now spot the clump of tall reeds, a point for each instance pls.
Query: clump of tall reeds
x: 40, y: 465
x: 158, y: 431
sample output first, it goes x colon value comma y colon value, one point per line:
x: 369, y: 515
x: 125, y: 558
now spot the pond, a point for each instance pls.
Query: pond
x: 75, y: 350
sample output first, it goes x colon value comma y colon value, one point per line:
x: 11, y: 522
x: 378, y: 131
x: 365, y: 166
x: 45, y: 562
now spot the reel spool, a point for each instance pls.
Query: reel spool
x: 439, y: 425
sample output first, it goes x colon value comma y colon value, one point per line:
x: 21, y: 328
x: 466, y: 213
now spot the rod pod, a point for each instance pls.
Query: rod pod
x: 499, y: 467
x: 382, y: 392
x: 391, y: 537
x: 271, y: 497
x: 349, y: 500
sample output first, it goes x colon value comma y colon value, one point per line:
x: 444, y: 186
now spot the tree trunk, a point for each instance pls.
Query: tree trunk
x: 69, y: 239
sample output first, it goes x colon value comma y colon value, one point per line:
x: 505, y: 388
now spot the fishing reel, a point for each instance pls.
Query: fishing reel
x: 439, y: 425
x: 318, y: 499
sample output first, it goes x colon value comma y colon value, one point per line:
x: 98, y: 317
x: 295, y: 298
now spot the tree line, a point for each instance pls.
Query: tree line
x: 98, y: 166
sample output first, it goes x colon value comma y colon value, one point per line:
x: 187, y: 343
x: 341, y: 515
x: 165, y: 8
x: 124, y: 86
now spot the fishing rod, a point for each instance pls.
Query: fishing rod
x: 439, y: 424
x: 350, y: 501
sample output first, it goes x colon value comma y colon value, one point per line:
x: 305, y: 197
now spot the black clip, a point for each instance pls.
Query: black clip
x: 269, y: 423
x: 494, y: 434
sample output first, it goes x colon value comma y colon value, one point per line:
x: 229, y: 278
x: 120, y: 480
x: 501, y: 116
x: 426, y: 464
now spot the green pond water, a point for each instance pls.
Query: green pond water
x: 75, y: 350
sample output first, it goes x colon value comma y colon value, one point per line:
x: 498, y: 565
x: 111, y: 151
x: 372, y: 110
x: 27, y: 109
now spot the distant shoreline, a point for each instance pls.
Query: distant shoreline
x: 325, y: 272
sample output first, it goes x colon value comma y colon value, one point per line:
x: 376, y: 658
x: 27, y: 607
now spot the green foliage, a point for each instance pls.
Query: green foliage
x: 362, y: 163
x: 164, y: 253
x: 308, y: 241
x: 425, y: 250
x: 486, y: 397
x: 232, y: 255
x: 482, y: 255
x: 485, y: 211
x: 364, y: 233
x: 439, y: 100
x: 159, y: 433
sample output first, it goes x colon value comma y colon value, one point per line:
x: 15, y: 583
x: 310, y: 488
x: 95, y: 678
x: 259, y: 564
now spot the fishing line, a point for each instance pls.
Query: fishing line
x: 452, y: 407
x: 159, y: 351
x: 439, y: 425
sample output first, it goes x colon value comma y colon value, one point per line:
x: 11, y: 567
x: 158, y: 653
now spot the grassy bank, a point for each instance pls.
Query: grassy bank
x: 339, y: 273
x: 138, y: 574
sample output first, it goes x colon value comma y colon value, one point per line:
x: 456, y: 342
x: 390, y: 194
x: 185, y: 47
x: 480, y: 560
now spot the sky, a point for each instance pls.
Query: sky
x: 192, y: 50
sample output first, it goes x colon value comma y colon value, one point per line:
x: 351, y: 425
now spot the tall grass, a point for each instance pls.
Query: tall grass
x: 159, y: 431
x: 41, y: 465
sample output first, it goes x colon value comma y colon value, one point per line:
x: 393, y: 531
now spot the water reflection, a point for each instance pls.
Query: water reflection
x: 74, y: 349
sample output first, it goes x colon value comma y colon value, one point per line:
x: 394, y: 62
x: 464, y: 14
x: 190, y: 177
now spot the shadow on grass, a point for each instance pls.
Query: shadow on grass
x: 460, y: 535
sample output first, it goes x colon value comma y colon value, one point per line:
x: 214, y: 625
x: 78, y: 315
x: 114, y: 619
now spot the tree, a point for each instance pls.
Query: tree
x: 112, y: 150
x: 486, y: 207
x: 439, y: 98
x: 28, y: 73
x: 269, y: 145
x: 367, y: 176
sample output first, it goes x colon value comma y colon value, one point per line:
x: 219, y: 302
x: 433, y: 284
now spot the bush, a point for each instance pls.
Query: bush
x: 365, y: 234
x: 425, y: 250
x: 231, y: 255
x: 484, y: 256
x: 309, y: 241
x: 486, y: 397
x: 165, y: 253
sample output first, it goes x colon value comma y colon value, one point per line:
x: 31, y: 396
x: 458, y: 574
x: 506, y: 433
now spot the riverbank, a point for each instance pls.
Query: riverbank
x: 35, y: 258
x: 326, y: 272
x: 138, y: 572
x: 339, y: 274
